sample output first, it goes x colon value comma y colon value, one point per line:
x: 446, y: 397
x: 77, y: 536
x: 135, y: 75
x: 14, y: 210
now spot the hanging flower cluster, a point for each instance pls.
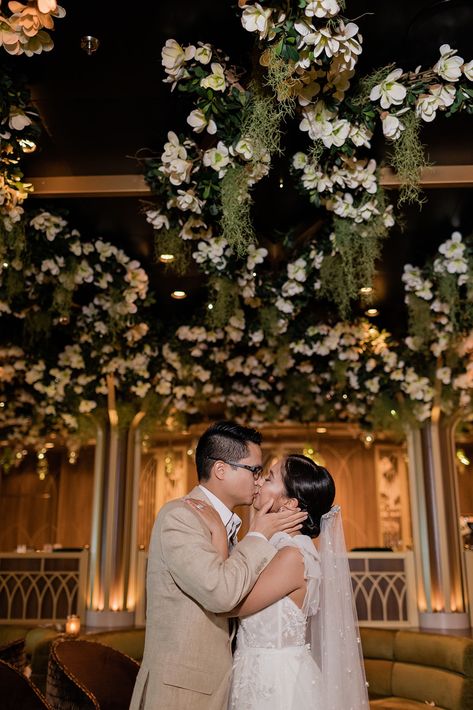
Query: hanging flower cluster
x: 24, y: 28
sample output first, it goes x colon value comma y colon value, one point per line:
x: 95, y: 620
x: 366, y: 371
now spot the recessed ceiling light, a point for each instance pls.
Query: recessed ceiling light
x: 166, y: 258
x: 365, y: 290
x: 372, y: 312
x: 321, y: 430
x: 179, y: 294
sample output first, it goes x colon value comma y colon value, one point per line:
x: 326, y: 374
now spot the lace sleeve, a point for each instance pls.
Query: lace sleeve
x: 312, y: 569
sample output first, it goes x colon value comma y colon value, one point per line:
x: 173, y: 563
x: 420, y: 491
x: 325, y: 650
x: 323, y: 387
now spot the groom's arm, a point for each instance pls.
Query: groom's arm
x: 195, y: 565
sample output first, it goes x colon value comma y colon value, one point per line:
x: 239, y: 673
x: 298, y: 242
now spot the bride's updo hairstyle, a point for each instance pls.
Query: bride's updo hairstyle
x: 312, y: 485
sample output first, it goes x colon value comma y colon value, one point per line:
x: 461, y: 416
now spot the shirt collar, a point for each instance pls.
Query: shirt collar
x: 231, y: 520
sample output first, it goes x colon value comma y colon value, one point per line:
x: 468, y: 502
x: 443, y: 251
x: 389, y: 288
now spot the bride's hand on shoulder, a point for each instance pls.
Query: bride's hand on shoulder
x: 213, y: 521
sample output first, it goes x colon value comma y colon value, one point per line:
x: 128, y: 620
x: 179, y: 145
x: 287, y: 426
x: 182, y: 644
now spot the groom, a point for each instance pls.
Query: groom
x: 187, y: 658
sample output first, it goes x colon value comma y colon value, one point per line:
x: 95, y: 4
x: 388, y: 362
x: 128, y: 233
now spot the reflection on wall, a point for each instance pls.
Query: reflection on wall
x: 393, y: 498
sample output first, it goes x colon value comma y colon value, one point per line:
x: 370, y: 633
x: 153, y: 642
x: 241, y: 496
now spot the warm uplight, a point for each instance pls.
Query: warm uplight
x: 27, y: 146
x: 371, y: 312
x: 321, y: 430
x: 166, y: 258
x: 366, y: 290
x: 178, y: 295
x: 73, y: 625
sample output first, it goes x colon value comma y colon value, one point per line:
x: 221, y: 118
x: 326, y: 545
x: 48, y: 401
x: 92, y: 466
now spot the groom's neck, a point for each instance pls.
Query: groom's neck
x: 217, y: 491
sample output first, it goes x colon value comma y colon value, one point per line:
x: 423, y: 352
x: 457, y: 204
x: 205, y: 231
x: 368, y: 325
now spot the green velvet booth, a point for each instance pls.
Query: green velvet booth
x: 410, y: 669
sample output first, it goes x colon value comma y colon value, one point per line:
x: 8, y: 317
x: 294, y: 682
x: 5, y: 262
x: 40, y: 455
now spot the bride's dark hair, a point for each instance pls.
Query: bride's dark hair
x: 312, y: 485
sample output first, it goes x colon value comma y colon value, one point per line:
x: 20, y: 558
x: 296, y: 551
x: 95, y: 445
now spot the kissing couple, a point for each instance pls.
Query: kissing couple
x: 297, y: 645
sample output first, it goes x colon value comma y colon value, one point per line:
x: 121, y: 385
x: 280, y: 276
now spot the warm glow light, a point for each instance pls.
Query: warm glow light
x: 73, y: 625
x: 210, y: 306
x: 321, y: 430
x: 372, y: 312
x: 166, y: 258
x: 365, y: 290
x: 462, y: 457
x: 179, y: 294
x: 190, y: 452
x: 49, y: 445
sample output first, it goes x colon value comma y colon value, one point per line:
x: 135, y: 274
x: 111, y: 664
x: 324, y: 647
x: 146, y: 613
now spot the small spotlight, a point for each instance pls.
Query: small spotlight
x: 178, y: 295
x: 372, y: 312
x: 366, y: 290
x: 210, y: 306
x: 166, y: 258
x: 89, y: 44
x: 27, y: 146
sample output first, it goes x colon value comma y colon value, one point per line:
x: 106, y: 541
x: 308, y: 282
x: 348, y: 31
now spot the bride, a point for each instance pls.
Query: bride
x: 304, y: 595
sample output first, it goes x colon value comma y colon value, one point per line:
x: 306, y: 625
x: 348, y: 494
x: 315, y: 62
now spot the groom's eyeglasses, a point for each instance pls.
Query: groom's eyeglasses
x: 257, y: 471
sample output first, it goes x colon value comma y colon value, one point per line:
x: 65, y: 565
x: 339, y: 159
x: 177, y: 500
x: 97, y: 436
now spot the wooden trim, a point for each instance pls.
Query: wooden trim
x: 135, y: 185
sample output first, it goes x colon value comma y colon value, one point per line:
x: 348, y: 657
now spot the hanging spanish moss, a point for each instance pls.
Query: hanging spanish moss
x: 225, y: 301
x: 169, y: 242
x: 408, y: 159
x: 235, y: 198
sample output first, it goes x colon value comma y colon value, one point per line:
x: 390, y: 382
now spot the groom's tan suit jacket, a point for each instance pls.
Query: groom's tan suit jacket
x: 187, y: 658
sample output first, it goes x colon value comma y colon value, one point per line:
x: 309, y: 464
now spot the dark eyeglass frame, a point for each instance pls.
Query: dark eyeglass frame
x: 257, y: 471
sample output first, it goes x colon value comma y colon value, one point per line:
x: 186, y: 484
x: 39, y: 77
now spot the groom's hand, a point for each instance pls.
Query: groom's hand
x: 268, y: 523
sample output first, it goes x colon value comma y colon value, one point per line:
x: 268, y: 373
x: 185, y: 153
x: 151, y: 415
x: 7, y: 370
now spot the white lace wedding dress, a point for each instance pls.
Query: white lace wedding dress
x: 273, y: 667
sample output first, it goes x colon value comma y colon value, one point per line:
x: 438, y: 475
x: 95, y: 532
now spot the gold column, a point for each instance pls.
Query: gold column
x: 441, y: 591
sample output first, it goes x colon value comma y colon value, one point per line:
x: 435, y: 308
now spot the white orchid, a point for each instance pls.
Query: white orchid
x: 174, y: 58
x: 392, y: 126
x: 360, y: 135
x: 256, y: 18
x: 449, y: 66
x: 244, y: 147
x: 199, y: 122
x: 467, y: 69
x: 156, y: 219
x: 299, y: 161
x: 217, y: 158
x: 322, y: 8
x: 203, y: 53
x: 389, y: 92
x: 215, y: 80
x: 187, y: 200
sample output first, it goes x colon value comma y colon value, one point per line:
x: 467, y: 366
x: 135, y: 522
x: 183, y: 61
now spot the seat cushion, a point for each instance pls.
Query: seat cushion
x: 453, y: 653
x: 379, y: 676
x: 394, y: 703
x: 130, y: 641
x: 432, y: 685
x: 378, y: 643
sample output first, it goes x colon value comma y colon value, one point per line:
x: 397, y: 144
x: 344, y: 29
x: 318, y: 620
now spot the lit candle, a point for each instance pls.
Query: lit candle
x: 73, y: 625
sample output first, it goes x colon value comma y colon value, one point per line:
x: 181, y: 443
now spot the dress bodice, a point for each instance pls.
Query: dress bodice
x: 283, y: 623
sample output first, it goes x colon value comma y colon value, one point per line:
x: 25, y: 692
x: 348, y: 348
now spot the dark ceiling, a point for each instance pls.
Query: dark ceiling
x: 99, y: 110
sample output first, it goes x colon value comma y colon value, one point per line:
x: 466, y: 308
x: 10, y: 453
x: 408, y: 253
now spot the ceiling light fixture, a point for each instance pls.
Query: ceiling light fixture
x: 166, y: 258
x: 89, y: 44
x: 372, y: 312
x: 178, y: 295
x: 366, y: 290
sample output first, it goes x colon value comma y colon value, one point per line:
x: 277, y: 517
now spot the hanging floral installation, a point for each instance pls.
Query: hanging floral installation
x: 308, y: 52
x: 75, y: 310
x: 24, y: 29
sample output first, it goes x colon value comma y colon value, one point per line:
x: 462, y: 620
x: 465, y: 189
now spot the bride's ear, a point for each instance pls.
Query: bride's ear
x: 289, y: 504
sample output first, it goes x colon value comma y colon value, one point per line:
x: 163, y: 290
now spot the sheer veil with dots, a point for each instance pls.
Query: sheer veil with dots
x: 335, y: 640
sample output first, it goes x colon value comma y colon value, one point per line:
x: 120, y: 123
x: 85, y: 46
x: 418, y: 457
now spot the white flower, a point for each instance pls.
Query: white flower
x: 449, y: 65
x: 188, y: 201
x: 299, y: 161
x: 339, y: 131
x: 444, y: 374
x: 86, y: 406
x: 141, y: 389
x: 389, y: 91
x: 257, y: 19
x: 468, y: 70
x: 174, y: 58
x: 284, y: 306
x: 203, y: 54
x: 322, y: 8
x: 244, y: 147
x: 157, y: 219
x: 392, y: 126
x: 199, y: 122
x: 297, y: 270
x: 18, y: 119
x: 195, y: 228
x: 360, y: 135
x: 453, y: 248
x: 215, y: 80
x: 217, y: 158
x: 373, y: 384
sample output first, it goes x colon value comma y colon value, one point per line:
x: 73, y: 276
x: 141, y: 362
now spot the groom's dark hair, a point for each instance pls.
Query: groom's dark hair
x: 224, y: 441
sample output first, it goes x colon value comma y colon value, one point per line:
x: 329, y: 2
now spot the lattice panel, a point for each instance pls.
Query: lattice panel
x: 42, y: 588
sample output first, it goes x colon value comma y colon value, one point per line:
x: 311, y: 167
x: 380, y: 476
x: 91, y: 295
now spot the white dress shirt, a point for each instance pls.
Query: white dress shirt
x: 231, y: 520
